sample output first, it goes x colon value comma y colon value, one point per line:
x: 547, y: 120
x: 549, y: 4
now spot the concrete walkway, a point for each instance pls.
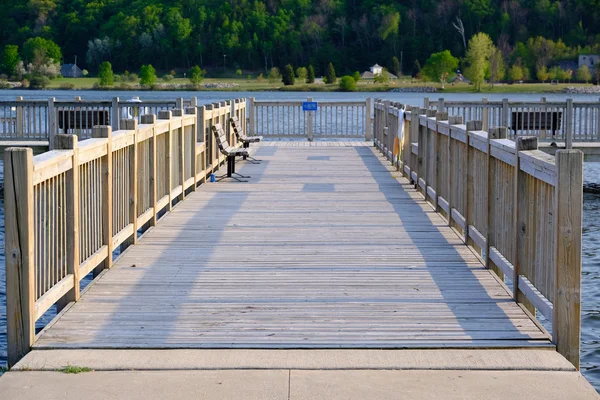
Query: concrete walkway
x: 297, y: 384
x: 297, y: 374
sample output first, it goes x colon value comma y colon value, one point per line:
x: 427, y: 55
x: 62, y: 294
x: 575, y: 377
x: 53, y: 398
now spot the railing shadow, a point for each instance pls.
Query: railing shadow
x: 482, y: 311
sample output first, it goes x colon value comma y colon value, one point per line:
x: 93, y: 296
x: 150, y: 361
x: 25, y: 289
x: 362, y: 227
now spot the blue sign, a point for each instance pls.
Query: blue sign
x: 309, y: 106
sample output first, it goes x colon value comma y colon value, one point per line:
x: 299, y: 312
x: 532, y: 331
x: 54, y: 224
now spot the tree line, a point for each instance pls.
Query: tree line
x: 259, y: 35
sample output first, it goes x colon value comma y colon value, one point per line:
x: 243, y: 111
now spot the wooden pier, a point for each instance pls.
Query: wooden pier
x: 328, y: 246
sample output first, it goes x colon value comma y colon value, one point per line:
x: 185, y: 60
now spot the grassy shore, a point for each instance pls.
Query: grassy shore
x: 245, y: 85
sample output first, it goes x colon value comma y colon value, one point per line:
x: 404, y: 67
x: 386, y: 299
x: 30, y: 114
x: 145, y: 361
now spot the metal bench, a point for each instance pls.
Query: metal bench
x: 230, y: 152
x: 241, y: 136
x: 536, y: 120
x: 82, y: 119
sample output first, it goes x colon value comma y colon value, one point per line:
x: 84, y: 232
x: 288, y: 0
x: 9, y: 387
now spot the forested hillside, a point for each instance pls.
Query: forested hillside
x: 258, y: 35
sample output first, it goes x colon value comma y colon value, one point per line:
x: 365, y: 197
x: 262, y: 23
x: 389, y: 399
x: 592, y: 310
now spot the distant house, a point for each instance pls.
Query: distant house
x: 71, y: 71
x: 374, y: 71
x: 591, y: 60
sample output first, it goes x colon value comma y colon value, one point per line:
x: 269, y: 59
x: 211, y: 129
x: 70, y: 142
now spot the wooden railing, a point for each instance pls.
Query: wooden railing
x: 286, y: 119
x: 517, y: 207
x: 69, y: 209
x: 40, y: 120
x: 548, y: 121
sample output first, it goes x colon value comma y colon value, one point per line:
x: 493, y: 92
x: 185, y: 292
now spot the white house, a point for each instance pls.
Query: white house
x: 374, y: 71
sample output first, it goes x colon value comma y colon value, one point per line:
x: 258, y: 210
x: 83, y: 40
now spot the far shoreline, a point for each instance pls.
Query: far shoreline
x: 243, y: 85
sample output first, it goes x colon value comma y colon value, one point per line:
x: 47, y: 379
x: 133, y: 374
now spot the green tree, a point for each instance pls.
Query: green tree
x: 347, y: 84
x: 439, y: 66
x: 147, y: 75
x: 516, y: 73
x: 301, y: 73
x: 395, y: 68
x: 40, y: 50
x: 584, y: 74
x: 330, y: 75
x: 478, y: 55
x: 543, y: 74
x: 105, y: 74
x: 310, y: 77
x: 497, y: 68
x: 288, y: 75
x: 196, y: 75
x: 560, y: 74
x: 274, y: 75
x: 356, y: 76
x: 9, y: 60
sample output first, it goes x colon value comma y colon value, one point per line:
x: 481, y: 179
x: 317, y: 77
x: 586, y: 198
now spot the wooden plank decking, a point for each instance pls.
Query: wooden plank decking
x: 323, y: 248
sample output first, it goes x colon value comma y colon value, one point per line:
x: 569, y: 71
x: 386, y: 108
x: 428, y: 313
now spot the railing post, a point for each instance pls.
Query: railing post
x: 178, y: 112
x: 543, y: 112
x: 210, y: 152
x: 115, y: 117
x: 441, y: 105
x: 406, y: 142
x: 568, y: 204
x: 437, y: 170
x: 70, y: 142
x: 452, y: 120
x: 150, y: 119
x: 179, y: 103
x: 132, y: 125
x: 470, y: 185
x: 251, y: 116
x: 426, y: 102
x: 485, y: 116
x: 368, y: 121
x: 493, y: 133
x: 19, y: 251
x: 505, y: 110
x: 166, y: 115
x: 107, y: 183
x: 569, y: 125
x: 309, y: 122
x: 20, y: 118
x: 520, y: 217
x: 192, y: 152
x: 52, y: 126
x: 201, y: 137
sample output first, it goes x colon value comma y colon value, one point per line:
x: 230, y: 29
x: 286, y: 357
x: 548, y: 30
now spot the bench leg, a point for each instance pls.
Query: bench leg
x: 231, y: 171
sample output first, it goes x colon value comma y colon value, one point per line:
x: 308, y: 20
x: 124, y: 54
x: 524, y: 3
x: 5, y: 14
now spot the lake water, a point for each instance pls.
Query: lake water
x: 590, y: 352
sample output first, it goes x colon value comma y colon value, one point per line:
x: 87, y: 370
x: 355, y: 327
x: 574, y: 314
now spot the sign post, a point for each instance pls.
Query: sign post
x: 310, y: 106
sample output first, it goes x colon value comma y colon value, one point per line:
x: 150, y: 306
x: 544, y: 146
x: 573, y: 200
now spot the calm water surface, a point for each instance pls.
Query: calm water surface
x: 590, y: 353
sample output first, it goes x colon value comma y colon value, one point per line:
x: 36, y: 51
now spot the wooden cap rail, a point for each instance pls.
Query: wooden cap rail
x: 517, y: 207
x: 67, y: 210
